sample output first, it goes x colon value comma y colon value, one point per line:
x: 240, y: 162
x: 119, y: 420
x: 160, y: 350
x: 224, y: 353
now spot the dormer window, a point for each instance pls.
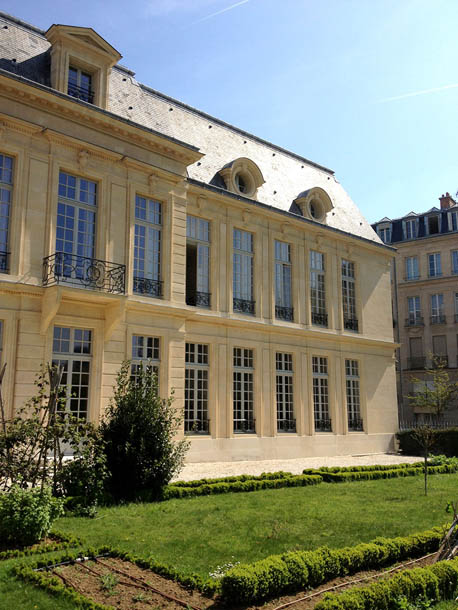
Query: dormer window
x: 243, y: 177
x: 384, y: 232
x: 313, y: 204
x: 80, y: 85
x: 410, y: 228
x: 453, y: 220
x: 433, y: 225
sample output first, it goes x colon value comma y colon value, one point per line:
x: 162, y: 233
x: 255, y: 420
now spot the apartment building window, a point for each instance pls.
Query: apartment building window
x: 283, y: 306
x: 284, y: 387
x: 440, y: 356
x: 410, y: 228
x: 72, y: 350
x: 355, y: 423
x: 384, y: 234
x: 243, y: 272
x: 412, y: 272
x: 318, y: 289
x: 146, y: 354
x: 434, y: 264
x: 321, y: 394
x: 455, y: 261
x: 1, y: 342
x: 456, y: 306
x: 197, y: 262
x: 437, y: 309
x: 414, y: 309
x: 147, y: 247
x: 6, y: 187
x: 350, y: 317
x: 452, y: 221
x: 416, y: 359
x: 243, y: 390
x: 80, y: 85
x: 432, y: 225
x: 196, y: 389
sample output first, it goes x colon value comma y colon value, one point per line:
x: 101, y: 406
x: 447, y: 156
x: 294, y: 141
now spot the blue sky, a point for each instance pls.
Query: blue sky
x: 368, y: 88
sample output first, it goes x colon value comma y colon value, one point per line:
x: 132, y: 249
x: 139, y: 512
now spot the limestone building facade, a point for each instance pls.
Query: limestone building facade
x: 133, y: 226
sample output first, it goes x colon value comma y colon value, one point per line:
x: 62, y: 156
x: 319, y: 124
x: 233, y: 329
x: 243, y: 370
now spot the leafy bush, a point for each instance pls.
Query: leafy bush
x: 446, y: 442
x: 139, y: 433
x: 26, y: 515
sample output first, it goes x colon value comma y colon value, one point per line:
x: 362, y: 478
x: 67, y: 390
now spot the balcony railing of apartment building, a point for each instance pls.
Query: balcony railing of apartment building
x: 416, y: 362
x: 323, y: 425
x: 148, y: 287
x: 4, y: 262
x: 245, y: 426
x: 355, y: 424
x: 286, y: 425
x: 415, y: 321
x: 438, y: 319
x: 198, y: 299
x: 284, y: 313
x: 197, y: 426
x: 81, y: 93
x: 410, y: 278
x: 320, y: 319
x: 456, y: 317
x: 244, y: 306
x: 84, y: 272
x: 351, y: 324
x: 439, y: 360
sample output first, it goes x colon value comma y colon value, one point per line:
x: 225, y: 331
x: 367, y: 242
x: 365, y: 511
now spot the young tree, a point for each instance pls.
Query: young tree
x: 139, y: 430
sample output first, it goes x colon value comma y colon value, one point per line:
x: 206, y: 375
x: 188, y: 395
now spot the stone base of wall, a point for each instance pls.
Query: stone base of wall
x: 286, y: 447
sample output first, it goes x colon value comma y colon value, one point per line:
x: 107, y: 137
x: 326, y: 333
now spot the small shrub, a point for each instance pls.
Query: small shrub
x: 27, y: 515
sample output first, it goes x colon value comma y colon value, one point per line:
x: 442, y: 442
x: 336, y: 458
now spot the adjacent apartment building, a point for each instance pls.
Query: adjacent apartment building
x: 425, y: 297
x: 133, y: 226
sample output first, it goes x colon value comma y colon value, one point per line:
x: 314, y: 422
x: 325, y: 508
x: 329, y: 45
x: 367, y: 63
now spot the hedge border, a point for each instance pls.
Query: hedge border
x: 294, y: 571
x: 371, y: 475
x: 64, y: 541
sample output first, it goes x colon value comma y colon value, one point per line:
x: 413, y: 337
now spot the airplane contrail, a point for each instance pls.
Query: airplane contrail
x: 415, y: 93
x: 224, y: 10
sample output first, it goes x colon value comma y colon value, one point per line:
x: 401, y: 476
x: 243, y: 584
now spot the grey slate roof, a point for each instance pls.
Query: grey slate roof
x: 286, y: 174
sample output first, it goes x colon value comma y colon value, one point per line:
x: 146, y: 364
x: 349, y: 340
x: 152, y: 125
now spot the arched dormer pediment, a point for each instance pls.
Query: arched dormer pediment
x: 243, y: 177
x: 314, y: 204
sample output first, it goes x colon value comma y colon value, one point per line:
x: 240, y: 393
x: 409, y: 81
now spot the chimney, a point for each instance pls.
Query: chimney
x: 446, y: 201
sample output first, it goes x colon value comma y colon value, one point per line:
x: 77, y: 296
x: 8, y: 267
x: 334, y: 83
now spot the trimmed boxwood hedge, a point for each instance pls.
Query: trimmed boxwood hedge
x: 61, y: 541
x: 445, y: 441
x: 363, y: 468
x: 434, y: 583
x: 297, y: 570
x: 366, y: 475
x: 280, y: 474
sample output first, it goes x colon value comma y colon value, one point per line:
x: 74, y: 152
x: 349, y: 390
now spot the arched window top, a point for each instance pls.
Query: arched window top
x: 314, y: 204
x: 242, y: 176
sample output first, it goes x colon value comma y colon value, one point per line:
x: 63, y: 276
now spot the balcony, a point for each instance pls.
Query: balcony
x: 81, y: 93
x: 438, y: 319
x: 244, y: 306
x: 355, y: 424
x: 197, y: 426
x: 197, y: 299
x: 439, y: 361
x: 323, y: 425
x: 245, y: 426
x: 351, y: 324
x: 415, y: 321
x: 286, y: 425
x: 4, y: 262
x: 84, y: 272
x: 147, y: 287
x: 320, y: 319
x: 284, y: 313
x: 416, y: 363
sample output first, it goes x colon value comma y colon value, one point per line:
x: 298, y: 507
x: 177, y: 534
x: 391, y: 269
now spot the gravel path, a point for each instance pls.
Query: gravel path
x: 202, y: 470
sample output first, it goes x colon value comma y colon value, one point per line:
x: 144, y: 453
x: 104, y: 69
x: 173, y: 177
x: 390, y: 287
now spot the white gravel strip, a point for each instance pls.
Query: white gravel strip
x: 201, y: 470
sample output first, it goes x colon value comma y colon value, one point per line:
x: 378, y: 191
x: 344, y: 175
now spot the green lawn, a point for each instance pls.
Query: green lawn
x: 198, y: 534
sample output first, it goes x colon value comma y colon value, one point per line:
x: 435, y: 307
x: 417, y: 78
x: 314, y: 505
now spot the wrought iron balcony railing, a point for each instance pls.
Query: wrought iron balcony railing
x: 320, y: 319
x: 456, y: 317
x: 81, y: 93
x: 416, y: 362
x: 84, y: 272
x: 286, y: 425
x: 150, y: 288
x: 355, y: 424
x: 439, y: 360
x: 4, y: 262
x: 284, y: 313
x: 415, y: 321
x: 438, y: 319
x: 244, y: 306
x: 351, y: 324
x: 413, y: 276
x: 197, y: 298
x: 245, y: 426
x: 197, y: 426
x: 323, y: 425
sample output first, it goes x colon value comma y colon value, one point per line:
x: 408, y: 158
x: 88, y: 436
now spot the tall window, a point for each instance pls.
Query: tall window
x: 384, y: 234
x: 72, y: 349
x: 452, y: 221
x: 432, y: 225
x: 283, y: 306
x: 355, y: 422
x: 75, y: 229
x: 412, y: 272
x: 196, y: 389
x: 456, y: 306
x: 80, y: 85
x: 197, y: 262
x: 413, y: 306
x: 243, y: 272
x: 318, y: 289
x: 437, y: 309
x: 349, y: 296
x: 410, y: 228
x: 284, y: 384
x: 6, y: 186
x: 1, y: 342
x: 434, y: 264
x: 145, y: 353
x: 243, y: 391
x: 321, y: 394
x: 455, y: 261
x: 147, y: 247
